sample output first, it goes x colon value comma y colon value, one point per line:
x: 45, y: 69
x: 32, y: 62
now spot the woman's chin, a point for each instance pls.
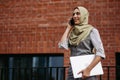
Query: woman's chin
x: 76, y: 23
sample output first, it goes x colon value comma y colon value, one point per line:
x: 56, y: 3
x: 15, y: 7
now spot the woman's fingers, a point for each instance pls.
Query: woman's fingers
x: 84, y: 74
x: 80, y: 72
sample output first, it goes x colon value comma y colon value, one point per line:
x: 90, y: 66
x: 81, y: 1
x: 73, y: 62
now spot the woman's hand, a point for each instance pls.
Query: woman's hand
x: 85, y: 73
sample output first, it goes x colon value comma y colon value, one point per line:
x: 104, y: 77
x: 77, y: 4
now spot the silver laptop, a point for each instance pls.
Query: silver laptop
x: 79, y: 63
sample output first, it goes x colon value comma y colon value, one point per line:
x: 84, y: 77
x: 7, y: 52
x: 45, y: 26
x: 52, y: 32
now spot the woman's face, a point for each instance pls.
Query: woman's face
x: 76, y: 16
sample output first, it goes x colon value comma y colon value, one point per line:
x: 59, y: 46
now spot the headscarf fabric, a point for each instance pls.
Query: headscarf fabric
x: 81, y: 31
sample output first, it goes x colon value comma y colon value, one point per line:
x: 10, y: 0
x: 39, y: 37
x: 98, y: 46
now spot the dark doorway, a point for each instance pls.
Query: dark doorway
x: 117, y: 65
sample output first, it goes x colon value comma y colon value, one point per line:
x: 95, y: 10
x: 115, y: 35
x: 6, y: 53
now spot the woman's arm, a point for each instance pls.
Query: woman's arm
x: 86, y: 72
x: 65, y: 34
x: 63, y: 43
x: 99, y: 52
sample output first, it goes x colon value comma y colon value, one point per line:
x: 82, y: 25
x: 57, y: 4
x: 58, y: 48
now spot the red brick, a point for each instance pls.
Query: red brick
x: 28, y: 27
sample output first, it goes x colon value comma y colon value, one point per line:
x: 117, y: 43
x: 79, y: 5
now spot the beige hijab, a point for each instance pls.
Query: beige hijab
x: 81, y: 31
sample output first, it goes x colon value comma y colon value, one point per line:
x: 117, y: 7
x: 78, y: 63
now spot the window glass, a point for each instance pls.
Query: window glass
x: 31, y: 67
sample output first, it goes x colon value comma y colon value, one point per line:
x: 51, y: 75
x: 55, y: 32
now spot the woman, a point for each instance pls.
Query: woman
x: 82, y: 39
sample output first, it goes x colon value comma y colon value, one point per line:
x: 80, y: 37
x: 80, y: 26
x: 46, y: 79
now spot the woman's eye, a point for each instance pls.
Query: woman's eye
x: 73, y: 14
x: 77, y: 13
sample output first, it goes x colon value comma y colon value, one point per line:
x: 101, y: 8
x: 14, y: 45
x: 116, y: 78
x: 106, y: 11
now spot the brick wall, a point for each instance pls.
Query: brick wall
x: 36, y: 26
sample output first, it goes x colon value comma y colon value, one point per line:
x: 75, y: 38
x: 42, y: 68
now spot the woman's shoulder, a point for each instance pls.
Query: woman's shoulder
x: 94, y: 30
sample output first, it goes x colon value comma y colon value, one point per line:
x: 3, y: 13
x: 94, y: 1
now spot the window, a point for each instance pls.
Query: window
x: 31, y: 67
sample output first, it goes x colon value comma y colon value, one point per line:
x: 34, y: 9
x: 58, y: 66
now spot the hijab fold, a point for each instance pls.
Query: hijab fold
x: 81, y: 31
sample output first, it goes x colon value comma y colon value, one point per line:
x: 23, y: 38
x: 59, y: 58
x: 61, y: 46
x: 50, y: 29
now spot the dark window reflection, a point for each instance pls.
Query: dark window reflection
x: 31, y: 67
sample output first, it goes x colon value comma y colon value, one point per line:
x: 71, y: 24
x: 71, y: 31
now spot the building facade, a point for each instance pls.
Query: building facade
x: 30, y: 29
